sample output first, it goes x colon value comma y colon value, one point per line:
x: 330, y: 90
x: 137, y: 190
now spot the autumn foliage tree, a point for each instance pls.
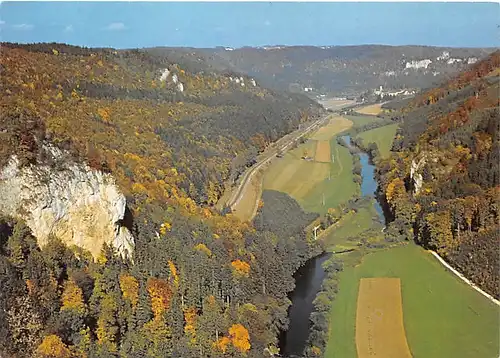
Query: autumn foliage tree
x: 239, y: 337
x: 241, y: 268
x: 161, y: 295
x: 130, y: 288
x: 53, y: 347
x: 72, y: 297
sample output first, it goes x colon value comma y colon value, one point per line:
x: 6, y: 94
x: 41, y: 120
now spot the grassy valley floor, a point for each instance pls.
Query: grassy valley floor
x: 316, y: 183
x: 443, y: 317
x: 372, y: 109
x: 361, y: 120
x: 380, y: 137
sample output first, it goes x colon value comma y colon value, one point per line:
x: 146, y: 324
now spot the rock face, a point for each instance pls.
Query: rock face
x: 79, y: 205
x: 415, y: 175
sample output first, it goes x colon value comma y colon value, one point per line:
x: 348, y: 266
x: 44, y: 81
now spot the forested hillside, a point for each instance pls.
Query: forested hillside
x: 335, y: 70
x: 442, y: 184
x: 198, y: 284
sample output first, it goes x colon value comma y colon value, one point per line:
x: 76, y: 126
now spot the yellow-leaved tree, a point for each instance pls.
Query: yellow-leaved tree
x: 53, y: 347
x: 190, y: 326
x: 130, y: 288
x: 240, y: 337
x: 161, y: 294
x: 173, y: 273
x: 240, y: 268
x: 222, y: 343
x: 72, y: 297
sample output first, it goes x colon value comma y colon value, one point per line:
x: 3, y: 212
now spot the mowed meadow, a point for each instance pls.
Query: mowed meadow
x: 380, y: 136
x: 316, y: 182
x: 443, y: 317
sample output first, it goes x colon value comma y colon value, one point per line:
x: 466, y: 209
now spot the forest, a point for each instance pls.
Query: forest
x: 336, y: 70
x: 200, y: 283
x: 441, y: 186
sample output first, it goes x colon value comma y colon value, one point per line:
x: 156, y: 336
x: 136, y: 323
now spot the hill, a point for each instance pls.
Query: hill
x: 105, y: 152
x: 442, y: 185
x: 336, y: 70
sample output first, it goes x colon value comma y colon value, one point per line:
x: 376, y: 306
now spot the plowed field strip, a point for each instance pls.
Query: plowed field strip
x: 323, y: 151
x: 379, y: 319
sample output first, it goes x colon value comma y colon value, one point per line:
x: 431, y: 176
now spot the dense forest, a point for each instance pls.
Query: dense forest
x: 441, y: 186
x: 199, y: 283
x: 337, y: 70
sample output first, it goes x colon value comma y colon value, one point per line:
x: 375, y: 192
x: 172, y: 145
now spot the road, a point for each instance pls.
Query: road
x: 282, y: 144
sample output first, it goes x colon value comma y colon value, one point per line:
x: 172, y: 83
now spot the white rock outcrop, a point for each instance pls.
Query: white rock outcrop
x: 418, y: 64
x: 164, y: 75
x: 77, y: 204
x: 444, y: 56
x: 417, y: 178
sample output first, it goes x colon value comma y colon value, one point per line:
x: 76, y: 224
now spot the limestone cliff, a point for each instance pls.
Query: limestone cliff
x: 79, y: 205
x: 417, y: 178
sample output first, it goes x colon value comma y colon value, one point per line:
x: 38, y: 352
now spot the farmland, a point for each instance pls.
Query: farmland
x: 372, y: 109
x: 336, y: 104
x: 316, y: 183
x: 322, y: 151
x: 334, y: 126
x: 443, y: 317
x: 382, y: 136
x: 245, y: 208
x: 246, y: 197
x: 361, y: 120
x: 311, y: 183
x: 379, y: 319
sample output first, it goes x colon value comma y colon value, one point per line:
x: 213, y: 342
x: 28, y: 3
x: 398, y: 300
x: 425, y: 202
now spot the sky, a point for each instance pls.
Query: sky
x: 238, y: 24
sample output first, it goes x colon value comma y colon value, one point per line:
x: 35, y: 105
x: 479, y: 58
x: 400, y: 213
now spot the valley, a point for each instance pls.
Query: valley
x: 356, y: 243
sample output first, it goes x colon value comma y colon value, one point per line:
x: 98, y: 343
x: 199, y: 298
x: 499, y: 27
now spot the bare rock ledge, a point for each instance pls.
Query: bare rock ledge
x: 72, y: 201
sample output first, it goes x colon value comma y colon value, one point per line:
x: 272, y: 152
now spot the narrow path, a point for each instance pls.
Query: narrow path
x: 465, y: 279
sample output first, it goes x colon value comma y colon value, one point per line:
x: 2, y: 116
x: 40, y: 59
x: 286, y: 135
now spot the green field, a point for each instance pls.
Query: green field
x: 382, y: 136
x: 361, y: 120
x: 350, y: 226
x: 308, y: 181
x: 443, y: 317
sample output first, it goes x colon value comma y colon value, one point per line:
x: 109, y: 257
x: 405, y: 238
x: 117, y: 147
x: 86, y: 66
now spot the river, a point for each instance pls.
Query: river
x: 309, y: 277
x: 369, y: 184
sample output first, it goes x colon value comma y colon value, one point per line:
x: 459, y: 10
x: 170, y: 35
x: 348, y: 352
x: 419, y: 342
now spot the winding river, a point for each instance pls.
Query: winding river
x: 369, y: 184
x: 309, y: 277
